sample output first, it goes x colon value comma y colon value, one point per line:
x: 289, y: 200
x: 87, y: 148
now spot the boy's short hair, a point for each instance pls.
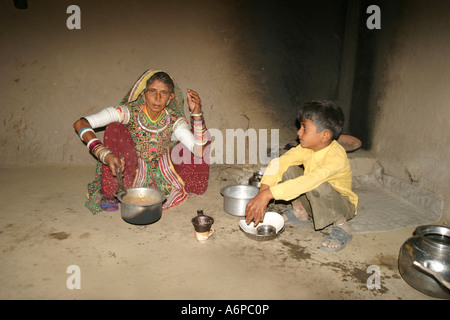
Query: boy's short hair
x: 325, y: 114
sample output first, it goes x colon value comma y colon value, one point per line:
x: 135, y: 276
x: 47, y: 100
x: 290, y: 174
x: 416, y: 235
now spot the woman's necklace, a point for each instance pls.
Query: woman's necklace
x: 154, y: 129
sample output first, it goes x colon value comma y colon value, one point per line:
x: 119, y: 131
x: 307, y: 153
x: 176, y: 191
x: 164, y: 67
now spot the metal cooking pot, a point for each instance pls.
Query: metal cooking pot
x: 424, y: 260
x: 236, y: 197
x: 141, y: 205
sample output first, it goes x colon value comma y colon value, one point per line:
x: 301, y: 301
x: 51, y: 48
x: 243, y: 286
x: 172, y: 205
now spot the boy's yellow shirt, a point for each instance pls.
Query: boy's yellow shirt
x: 330, y: 164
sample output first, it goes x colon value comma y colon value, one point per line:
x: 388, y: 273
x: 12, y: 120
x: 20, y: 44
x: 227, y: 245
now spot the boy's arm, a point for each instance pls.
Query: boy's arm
x: 277, y: 167
x: 256, y: 207
x: 331, y: 166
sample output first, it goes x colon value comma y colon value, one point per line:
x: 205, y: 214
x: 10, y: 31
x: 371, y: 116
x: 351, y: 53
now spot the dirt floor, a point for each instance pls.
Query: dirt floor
x: 45, y: 229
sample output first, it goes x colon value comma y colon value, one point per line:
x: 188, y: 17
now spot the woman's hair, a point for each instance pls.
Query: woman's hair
x: 164, y: 78
x: 325, y: 114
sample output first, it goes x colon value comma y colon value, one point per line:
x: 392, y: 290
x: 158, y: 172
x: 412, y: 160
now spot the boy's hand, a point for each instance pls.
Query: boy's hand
x: 256, y: 207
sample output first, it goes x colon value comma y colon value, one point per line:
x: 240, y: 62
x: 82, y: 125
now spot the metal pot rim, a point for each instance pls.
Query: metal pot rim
x: 434, y: 229
x: 121, y: 194
x: 423, y: 231
x: 245, y: 186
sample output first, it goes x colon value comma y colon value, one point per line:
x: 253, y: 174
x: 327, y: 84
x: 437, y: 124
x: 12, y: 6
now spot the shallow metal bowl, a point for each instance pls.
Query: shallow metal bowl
x: 271, y: 220
x: 262, y: 237
x: 266, y: 230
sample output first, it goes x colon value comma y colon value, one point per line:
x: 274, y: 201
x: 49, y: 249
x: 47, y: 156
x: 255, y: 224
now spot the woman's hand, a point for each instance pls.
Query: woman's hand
x: 114, y: 162
x: 256, y: 207
x: 194, y: 102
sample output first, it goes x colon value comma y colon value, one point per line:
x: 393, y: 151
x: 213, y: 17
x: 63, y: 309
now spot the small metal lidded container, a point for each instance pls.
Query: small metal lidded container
x: 255, y: 180
x: 202, y: 225
x: 202, y: 222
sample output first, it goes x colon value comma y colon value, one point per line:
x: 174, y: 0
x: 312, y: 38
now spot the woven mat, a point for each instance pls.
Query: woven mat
x: 387, y: 203
x: 380, y: 210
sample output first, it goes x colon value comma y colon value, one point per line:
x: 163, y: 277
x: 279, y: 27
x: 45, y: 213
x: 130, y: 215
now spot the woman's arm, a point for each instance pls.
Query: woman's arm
x: 84, y: 128
x: 201, y: 134
x: 194, y: 143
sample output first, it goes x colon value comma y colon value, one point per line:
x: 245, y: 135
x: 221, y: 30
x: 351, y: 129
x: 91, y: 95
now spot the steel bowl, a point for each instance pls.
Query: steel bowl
x: 262, y: 237
x: 270, y: 228
x: 236, y: 197
x: 141, y: 205
x: 266, y: 230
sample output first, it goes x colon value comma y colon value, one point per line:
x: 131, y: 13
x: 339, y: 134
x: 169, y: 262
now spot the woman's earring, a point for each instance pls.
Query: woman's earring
x: 168, y: 102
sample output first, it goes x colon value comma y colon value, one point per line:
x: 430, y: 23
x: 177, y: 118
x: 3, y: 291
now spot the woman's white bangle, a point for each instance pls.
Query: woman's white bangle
x: 201, y: 143
x: 103, y: 155
x: 90, y: 141
x: 196, y: 114
x: 83, y: 131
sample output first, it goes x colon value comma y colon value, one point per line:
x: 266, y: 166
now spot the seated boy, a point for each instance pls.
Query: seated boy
x: 324, y: 189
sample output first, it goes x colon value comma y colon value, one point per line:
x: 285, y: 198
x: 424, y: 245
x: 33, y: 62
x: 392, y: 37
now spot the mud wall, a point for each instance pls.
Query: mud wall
x: 251, y: 61
x: 407, y: 106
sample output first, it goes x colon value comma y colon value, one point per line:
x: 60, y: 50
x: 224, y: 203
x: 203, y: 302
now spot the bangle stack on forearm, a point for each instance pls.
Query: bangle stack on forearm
x: 100, y: 152
x: 95, y: 146
x: 200, y: 132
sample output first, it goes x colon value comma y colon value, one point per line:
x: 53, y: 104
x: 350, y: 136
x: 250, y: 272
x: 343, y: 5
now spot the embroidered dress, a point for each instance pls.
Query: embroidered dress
x: 146, y: 146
